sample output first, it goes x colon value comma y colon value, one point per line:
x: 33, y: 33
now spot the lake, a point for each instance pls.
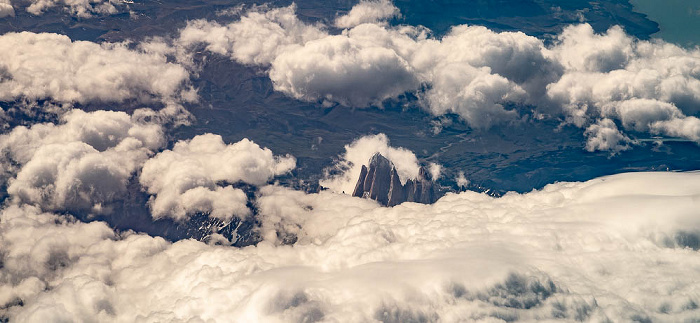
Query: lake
x: 679, y: 20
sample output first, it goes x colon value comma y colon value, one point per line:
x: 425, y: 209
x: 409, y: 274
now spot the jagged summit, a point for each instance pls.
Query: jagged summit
x: 380, y: 181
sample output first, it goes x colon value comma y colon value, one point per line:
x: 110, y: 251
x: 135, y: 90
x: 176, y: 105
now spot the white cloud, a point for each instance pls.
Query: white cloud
x: 347, y: 170
x: 472, y: 71
x: 372, y: 62
x: 462, y: 180
x: 435, y: 170
x: 342, y: 69
x: 6, y: 9
x: 607, y: 249
x: 473, y: 93
x: 260, y: 36
x: 367, y: 11
x: 187, y: 179
x: 580, y: 49
x: 519, y: 58
x: 81, y: 163
x: 688, y: 127
x: 78, y: 8
x: 637, y: 82
x: 51, y: 66
x: 604, y: 135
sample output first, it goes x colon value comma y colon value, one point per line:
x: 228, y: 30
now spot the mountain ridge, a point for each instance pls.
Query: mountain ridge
x: 380, y: 181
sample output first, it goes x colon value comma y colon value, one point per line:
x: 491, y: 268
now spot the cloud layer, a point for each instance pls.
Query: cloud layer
x: 617, y: 248
x: 607, y: 249
x: 583, y: 77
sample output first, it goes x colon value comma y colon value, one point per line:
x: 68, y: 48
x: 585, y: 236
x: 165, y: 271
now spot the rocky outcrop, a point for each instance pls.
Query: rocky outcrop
x: 380, y: 181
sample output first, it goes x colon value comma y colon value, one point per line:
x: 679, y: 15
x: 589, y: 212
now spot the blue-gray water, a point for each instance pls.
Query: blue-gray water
x: 679, y: 20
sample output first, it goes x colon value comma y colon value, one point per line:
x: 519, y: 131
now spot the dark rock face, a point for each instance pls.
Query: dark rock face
x: 380, y: 182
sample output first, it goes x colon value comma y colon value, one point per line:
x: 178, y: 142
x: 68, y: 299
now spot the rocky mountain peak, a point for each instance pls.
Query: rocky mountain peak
x: 380, y: 181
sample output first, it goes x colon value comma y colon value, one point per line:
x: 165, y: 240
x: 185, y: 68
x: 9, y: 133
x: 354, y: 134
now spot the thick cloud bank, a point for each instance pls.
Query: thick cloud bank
x: 187, y: 179
x: 79, y: 164
x: 584, y: 78
x: 51, y: 66
x: 618, y: 248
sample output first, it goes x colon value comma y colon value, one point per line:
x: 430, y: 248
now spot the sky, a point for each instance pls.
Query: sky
x: 195, y: 163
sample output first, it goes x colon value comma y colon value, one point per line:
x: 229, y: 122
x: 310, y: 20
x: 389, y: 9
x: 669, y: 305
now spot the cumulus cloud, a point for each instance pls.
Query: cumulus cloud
x: 51, y: 66
x: 581, y: 49
x: 519, y: 58
x: 475, y: 94
x: 367, y: 12
x: 342, y: 69
x: 257, y: 38
x: 650, y: 86
x: 372, y: 62
x: 604, y: 135
x: 471, y: 71
x: 614, y: 248
x: 435, y: 170
x: 6, y: 9
x: 79, y: 164
x: 77, y: 8
x: 688, y: 127
x: 462, y: 180
x: 343, y: 176
x: 188, y: 179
